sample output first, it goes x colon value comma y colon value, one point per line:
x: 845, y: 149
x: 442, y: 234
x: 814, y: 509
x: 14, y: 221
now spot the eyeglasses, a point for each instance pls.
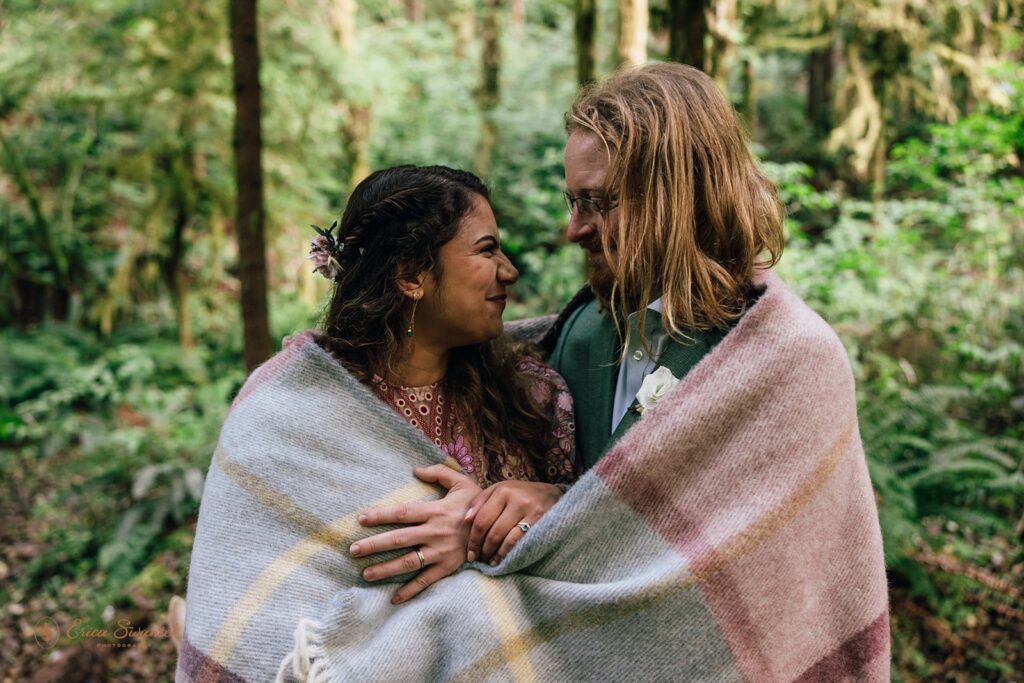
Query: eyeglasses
x: 588, y: 206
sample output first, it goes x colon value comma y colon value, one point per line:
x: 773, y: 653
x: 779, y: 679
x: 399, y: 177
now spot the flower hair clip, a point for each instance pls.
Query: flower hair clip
x: 325, y: 252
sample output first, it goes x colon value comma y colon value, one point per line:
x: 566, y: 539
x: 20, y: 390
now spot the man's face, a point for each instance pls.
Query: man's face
x: 586, y: 167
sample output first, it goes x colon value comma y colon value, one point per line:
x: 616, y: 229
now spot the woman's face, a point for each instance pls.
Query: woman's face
x: 465, y: 306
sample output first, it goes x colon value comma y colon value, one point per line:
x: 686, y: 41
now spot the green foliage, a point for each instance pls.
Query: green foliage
x: 116, y: 179
x: 924, y: 289
x: 123, y: 430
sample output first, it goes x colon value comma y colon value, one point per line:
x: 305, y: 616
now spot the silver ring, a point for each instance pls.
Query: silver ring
x: 523, y: 526
x: 423, y: 561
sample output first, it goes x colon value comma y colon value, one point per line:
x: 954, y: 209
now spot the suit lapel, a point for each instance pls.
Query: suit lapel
x: 585, y: 356
x: 601, y: 372
x: 679, y: 359
x: 625, y: 423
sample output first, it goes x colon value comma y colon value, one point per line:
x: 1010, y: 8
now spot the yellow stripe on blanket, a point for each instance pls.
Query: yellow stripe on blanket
x: 513, y: 645
x: 319, y: 535
x: 782, y: 514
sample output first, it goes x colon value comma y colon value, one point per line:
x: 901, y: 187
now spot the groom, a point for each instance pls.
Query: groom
x: 673, y: 216
x: 680, y: 228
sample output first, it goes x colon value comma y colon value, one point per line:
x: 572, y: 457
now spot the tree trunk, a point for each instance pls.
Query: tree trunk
x: 632, y: 41
x: 174, y: 274
x: 461, y: 19
x: 722, y: 46
x: 489, y: 92
x: 688, y: 25
x: 45, y: 232
x: 881, y: 151
x: 750, y: 98
x: 356, y: 140
x: 341, y: 17
x: 249, y: 216
x: 819, y: 89
x: 517, y: 16
x: 74, y: 179
x: 415, y: 11
x: 357, y: 118
x: 586, y: 48
x: 184, y: 171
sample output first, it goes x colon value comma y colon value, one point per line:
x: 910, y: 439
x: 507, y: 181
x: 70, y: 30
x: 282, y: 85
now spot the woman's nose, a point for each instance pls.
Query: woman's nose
x: 507, y: 273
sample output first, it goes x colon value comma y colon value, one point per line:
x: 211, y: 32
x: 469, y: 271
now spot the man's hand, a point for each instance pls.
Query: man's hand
x: 440, y: 533
x: 497, y: 510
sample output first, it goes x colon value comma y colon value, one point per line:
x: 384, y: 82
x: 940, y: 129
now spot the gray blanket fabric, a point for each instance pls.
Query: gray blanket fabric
x: 730, y: 535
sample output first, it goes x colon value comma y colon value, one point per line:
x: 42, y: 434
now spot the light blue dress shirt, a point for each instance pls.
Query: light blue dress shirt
x: 637, y: 363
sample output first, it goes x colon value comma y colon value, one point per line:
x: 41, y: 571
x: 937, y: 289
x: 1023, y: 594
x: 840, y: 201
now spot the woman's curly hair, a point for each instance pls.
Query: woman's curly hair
x: 393, y: 228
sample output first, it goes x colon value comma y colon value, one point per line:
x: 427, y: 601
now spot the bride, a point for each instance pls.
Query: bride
x: 406, y: 370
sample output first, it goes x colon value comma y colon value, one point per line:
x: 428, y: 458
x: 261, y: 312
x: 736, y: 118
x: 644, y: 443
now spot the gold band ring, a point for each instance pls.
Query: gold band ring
x: 423, y: 561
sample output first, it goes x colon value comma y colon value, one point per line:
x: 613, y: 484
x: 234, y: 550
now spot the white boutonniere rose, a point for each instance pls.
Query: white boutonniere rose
x: 654, y: 388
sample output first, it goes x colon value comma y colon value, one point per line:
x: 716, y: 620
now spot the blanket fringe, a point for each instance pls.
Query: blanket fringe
x: 306, y: 658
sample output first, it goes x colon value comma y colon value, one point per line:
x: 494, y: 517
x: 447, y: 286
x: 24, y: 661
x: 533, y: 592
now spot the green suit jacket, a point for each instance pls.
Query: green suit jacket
x: 586, y: 354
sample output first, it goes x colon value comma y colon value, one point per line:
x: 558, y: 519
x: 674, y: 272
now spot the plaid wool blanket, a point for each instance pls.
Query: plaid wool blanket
x: 731, y: 534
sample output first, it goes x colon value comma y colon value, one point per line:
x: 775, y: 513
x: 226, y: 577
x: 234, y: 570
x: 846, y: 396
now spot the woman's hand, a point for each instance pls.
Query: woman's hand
x: 498, y: 509
x: 440, y: 533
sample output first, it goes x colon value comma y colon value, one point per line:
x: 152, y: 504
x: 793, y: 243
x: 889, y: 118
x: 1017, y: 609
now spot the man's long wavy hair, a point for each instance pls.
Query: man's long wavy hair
x: 393, y: 228
x: 696, y: 216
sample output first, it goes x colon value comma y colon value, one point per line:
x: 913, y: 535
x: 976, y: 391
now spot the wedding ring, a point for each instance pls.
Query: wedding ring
x: 423, y: 561
x: 523, y: 526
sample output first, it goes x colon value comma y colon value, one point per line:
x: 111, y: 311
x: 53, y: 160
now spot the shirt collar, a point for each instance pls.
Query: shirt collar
x: 653, y: 306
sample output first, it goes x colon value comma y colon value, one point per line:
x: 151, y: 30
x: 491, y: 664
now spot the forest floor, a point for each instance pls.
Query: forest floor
x: 986, y: 643
x: 55, y: 635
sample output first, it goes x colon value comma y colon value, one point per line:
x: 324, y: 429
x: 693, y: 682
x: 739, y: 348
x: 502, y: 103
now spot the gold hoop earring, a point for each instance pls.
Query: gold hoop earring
x: 412, y: 318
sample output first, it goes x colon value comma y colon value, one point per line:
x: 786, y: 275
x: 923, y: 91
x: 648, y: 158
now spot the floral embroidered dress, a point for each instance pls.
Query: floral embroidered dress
x: 429, y: 410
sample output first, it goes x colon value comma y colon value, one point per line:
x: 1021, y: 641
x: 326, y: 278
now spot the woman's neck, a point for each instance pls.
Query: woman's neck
x: 420, y: 365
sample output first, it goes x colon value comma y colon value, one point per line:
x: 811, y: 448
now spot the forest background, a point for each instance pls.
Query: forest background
x: 894, y: 129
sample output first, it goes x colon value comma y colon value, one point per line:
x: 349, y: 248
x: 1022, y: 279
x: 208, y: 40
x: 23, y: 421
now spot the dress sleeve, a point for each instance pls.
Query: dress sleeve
x: 551, y: 393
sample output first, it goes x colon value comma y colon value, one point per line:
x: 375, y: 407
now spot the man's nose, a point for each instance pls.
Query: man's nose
x: 580, y: 227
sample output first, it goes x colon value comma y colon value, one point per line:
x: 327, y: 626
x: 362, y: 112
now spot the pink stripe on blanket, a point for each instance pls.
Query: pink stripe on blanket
x: 679, y: 528
x: 778, y: 589
x: 266, y: 371
x: 753, y: 472
x: 817, y: 576
x: 200, y: 668
x: 852, y: 657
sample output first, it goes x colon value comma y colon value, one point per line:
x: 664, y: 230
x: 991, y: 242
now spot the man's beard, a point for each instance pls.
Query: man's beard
x: 601, y: 280
x: 602, y: 283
